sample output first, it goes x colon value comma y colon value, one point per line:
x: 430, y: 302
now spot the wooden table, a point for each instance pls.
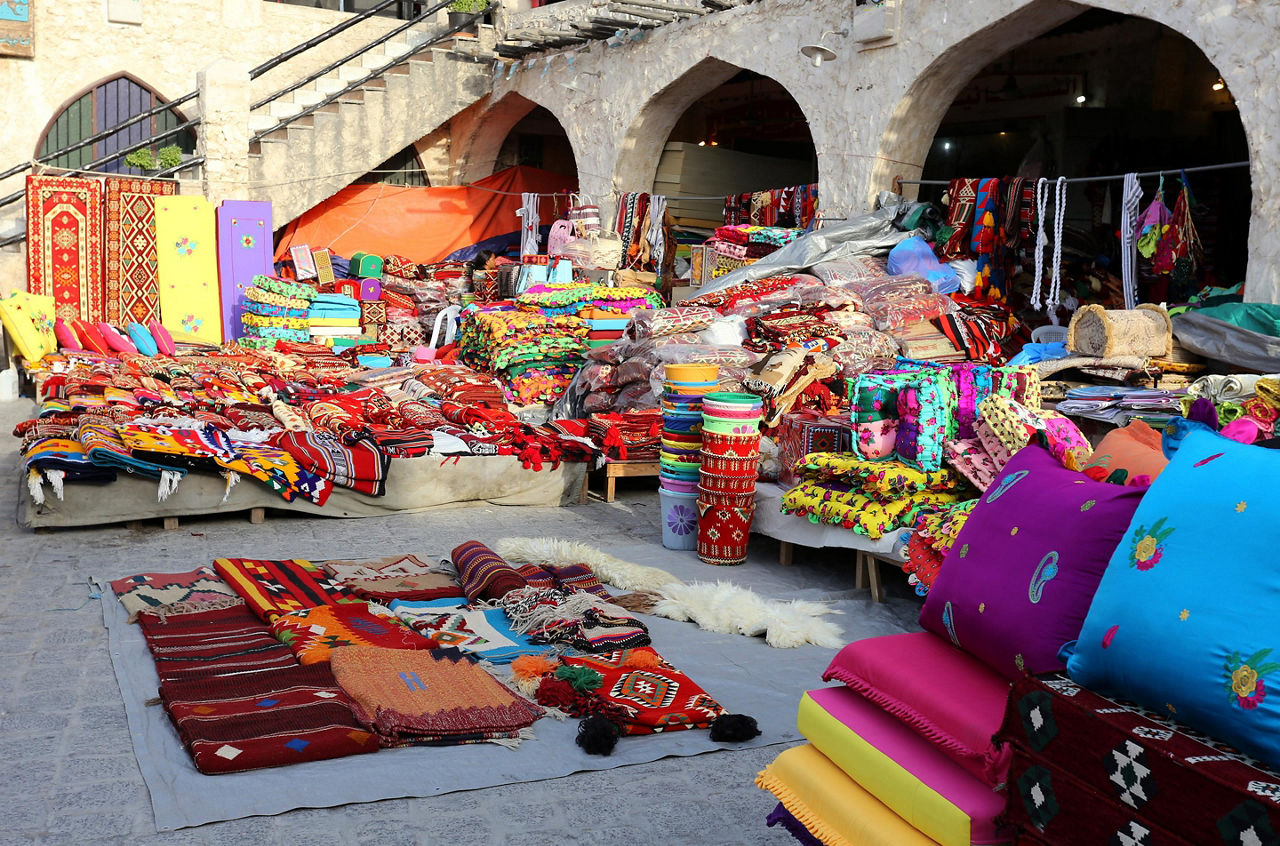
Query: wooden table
x: 615, y: 470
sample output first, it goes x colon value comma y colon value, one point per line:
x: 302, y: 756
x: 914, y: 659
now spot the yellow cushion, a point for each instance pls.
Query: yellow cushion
x: 895, y: 786
x: 834, y: 808
x: 29, y: 320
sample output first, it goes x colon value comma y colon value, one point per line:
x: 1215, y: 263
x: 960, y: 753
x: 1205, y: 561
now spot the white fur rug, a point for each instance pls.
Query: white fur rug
x: 721, y: 607
x: 553, y: 551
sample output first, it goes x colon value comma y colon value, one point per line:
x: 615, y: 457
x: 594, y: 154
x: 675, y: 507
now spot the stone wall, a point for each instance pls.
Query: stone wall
x: 874, y: 110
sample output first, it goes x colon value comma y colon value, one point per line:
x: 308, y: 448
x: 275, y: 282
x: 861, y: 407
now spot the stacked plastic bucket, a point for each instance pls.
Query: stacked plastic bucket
x: 681, y: 456
x: 727, y: 476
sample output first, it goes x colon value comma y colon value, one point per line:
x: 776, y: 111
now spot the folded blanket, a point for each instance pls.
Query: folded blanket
x: 483, y: 573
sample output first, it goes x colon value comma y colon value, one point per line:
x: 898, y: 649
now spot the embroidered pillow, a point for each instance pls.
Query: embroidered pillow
x: 29, y: 318
x: 926, y: 419
x: 1203, y: 642
x: 1017, y: 583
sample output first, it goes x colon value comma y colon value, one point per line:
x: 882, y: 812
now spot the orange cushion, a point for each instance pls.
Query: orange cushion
x: 1134, y: 449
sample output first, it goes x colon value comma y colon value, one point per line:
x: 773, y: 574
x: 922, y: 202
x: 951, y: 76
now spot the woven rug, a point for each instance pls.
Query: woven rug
x: 272, y: 588
x: 436, y: 697
x: 1087, y: 767
x: 64, y: 244
x: 728, y: 667
x: 187, y: 266
x: 132, y: 284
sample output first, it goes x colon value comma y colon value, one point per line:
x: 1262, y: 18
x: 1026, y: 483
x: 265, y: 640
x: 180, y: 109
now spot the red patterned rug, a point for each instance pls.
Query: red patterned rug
x: 64, y: 244
x: 132, y: 286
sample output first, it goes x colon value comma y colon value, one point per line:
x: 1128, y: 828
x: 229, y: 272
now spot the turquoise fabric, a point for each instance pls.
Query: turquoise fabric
x: 1185, y: 619
x: 1263, y: 318
x: 142, y: 339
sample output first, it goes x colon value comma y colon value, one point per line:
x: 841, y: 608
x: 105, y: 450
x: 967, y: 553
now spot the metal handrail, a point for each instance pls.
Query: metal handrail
x: 359, y: 52
x: 375, y: 73
x: 319, y: 39
x: 186, y: 98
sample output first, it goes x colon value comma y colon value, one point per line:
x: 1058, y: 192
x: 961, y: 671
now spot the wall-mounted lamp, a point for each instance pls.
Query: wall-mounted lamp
x: 575, y: 85
x: 1080, y: 98
x: 1218, y: 85
x: 818, y: 54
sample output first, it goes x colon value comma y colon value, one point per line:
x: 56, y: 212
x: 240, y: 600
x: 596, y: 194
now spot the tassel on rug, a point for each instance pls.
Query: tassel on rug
x: 55, y: 478
x: 168, y: 484
x: 35, y: 486
x: 555, y: 552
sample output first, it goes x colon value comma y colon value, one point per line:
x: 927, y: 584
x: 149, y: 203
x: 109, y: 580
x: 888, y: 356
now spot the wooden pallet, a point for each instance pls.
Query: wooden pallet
x: 257, y: 516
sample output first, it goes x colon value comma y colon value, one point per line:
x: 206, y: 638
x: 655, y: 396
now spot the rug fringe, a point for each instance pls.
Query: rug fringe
x: 55, y: 478
x: 557, y: 552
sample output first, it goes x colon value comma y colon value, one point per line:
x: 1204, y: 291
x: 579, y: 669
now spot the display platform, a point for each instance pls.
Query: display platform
x: 414, y: 484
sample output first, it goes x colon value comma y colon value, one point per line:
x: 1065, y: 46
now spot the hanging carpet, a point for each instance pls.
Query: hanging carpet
x: 132, y: 283
x: 64, y: 245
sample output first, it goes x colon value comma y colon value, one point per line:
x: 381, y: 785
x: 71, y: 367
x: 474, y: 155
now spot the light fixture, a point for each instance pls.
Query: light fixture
x: 818, y: 54
x: 1218, y: 85
x: 702, y: 143
x: 1080, y: 98
x: 946, y: 145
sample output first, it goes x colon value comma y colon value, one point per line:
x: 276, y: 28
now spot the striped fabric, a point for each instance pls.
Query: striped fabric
x: 272, y: 588
x: 484, y: 573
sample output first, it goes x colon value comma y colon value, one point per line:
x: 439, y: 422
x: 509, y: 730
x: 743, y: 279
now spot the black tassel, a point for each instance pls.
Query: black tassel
x: 597, y: 735
x: 734, y: 728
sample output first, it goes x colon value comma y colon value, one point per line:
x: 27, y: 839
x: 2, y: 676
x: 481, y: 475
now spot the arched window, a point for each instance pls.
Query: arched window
x: 103, y: 106
x: 404, y: 168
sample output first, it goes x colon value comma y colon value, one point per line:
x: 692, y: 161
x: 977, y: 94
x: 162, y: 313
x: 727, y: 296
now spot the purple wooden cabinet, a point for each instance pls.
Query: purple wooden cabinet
x: 244, y: 251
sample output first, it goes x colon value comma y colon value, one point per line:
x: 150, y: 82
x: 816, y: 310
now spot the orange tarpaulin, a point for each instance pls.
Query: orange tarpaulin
x: 423, y: 224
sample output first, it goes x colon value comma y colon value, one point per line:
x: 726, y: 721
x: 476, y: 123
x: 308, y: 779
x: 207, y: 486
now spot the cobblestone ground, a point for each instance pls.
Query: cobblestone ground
x: 70, y: 772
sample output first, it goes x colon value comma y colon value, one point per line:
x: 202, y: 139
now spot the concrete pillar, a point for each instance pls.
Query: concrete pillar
x: 224, y: 132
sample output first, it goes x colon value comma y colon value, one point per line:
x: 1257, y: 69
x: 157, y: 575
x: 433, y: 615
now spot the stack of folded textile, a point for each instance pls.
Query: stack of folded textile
x: 871, y: 498
x: 605, y: 326
x: 334, y: 319
x: 275, y: 310
x: 574, y: 297
x: 535, y: 356
x: 750, y: 243
x: 628, y: 437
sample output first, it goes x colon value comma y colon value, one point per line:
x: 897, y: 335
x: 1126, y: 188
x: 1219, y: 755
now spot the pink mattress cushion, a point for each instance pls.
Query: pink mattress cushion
x: 66, y: 337
x: 920, y: 761
x: 117, y: 342
x: 949, y: 697
x: 164, y: 341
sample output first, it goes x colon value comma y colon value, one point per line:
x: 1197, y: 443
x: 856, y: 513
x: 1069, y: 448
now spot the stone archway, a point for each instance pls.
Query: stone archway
x: 642, y: 144
x: 910, y: 129
x: 481, y: 138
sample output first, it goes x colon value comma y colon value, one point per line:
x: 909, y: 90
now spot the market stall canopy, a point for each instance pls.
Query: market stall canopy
x: 422, y: 224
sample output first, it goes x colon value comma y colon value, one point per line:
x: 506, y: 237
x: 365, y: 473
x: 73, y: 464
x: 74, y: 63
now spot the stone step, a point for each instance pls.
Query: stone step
x: 282, y: 108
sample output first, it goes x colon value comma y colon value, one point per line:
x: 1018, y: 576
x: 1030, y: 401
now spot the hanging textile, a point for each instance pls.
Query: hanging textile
x: 64, y: 245
x: 1041, y: 203
x: 963, y: 194
x: 132, y: 285
x: 528, y: 214
x: 1059, y: 218
x: 983, y: 243
x: 1130, y: 198
x: 1179, y: 251
x: 657, y: 214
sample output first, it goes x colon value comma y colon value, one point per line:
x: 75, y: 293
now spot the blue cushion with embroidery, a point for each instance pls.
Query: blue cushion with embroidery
x: 1186, y: 619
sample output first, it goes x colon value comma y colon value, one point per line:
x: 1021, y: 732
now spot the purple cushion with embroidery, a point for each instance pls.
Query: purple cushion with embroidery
x: 1017, y: 583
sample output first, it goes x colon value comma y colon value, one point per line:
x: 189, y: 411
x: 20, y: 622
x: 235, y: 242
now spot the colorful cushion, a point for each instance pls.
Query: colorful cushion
x: 66, y: 338
x: 1184, y: 621
x: 29, y: 318
x: 162, y: 338
x: 142, y: 339
x: 1135, y: 449
x: 951, y: 698
x: 901, y: 768
x: 1018, y: 581
x: 833, y: 807
x: 90, y: 337
x: 926, y: 419
x: 117, y: 342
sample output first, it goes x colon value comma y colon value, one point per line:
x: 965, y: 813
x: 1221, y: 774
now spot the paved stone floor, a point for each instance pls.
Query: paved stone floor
x: 70, y: 775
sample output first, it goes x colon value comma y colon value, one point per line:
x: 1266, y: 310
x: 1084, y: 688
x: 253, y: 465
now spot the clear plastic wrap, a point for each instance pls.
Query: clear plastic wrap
x: 888, y: 289
x: 770, y: 460
x: 655, y: 323
x: 635, y: 397
x: 894, y: 315
x: 726, y: 331
x: 802, y: 286
x: 849, y: 270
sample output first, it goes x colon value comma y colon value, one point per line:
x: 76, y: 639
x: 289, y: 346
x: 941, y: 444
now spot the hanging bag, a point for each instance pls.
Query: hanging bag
x: 561, y: 234
x: 606, y: 250
x: 583, y: 215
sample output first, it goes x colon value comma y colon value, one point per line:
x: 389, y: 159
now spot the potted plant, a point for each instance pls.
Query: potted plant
x: 461, y: 10
x: 154, y: 161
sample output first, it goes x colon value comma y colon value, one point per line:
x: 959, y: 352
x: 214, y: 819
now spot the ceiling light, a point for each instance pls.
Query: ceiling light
x: 702, y: 143
x: 1219, y: 85
x: 1080, y: 98
x: 946, y: 145
x: 818, y: 54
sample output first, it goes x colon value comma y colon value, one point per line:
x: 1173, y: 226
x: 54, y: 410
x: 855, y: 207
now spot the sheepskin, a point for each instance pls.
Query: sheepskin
x: 729, y: 609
